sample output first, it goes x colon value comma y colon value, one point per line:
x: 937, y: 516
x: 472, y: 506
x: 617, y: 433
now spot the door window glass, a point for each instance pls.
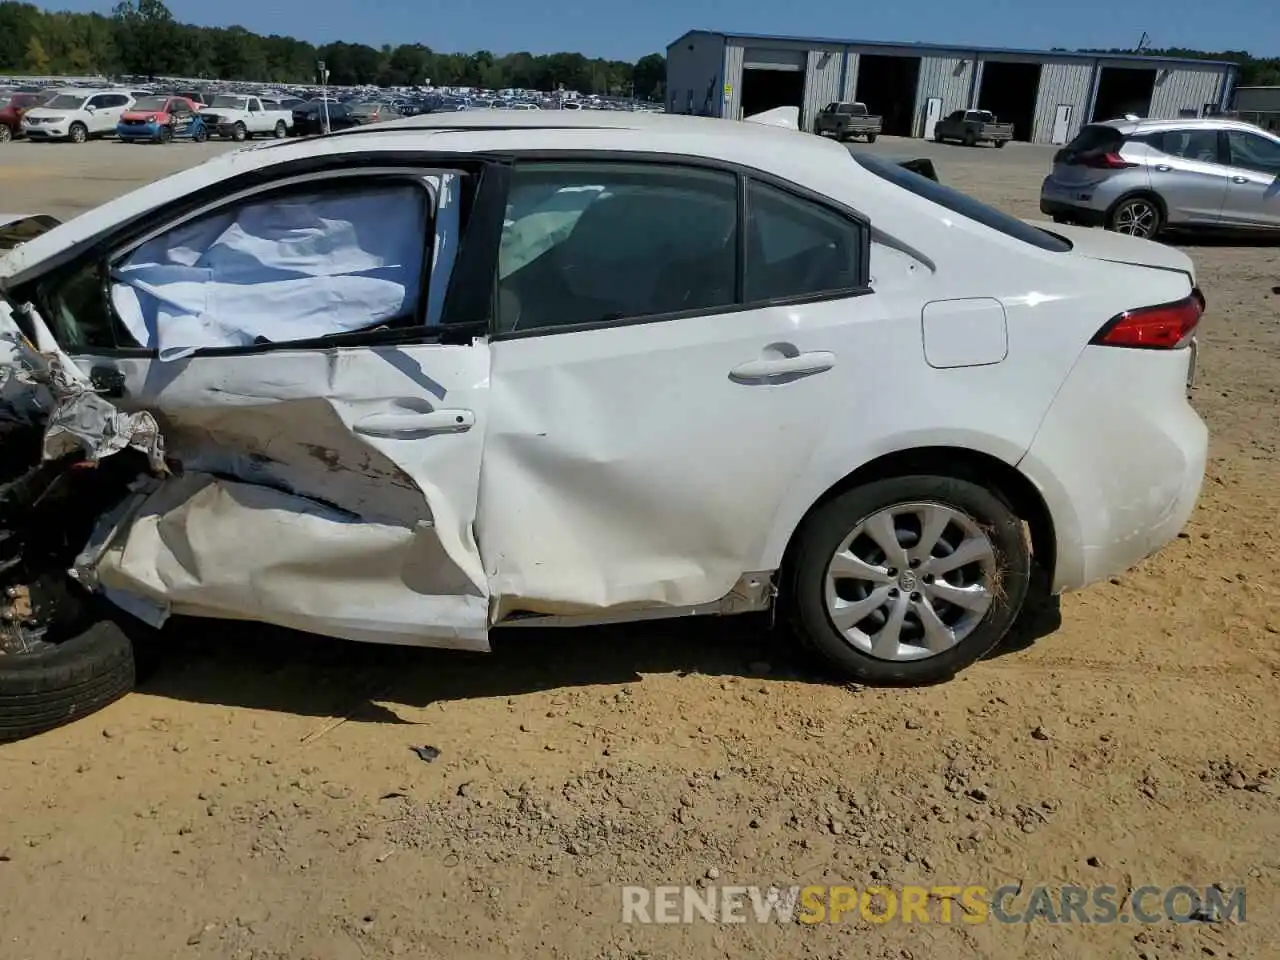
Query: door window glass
x: 1252, y: 152
x: 591, y: 242
x: 1199, y: 145
x: 797, y: 248
x: 273, y: 269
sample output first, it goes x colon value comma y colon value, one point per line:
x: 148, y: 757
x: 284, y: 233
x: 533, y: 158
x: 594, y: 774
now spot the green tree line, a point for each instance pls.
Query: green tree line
x: 142, y: 38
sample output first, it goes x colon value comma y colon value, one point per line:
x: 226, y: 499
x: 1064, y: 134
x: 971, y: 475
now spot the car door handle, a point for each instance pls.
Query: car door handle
x: 1163, y: 167
x: 1239, y: 179
x: 409, y: 424
x: 771, y: 369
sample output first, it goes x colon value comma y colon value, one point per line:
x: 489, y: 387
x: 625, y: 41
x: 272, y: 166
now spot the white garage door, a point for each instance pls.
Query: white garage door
x: 763, y: 58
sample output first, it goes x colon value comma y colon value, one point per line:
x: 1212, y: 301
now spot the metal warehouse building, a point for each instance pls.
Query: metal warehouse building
x: 1046, y: 95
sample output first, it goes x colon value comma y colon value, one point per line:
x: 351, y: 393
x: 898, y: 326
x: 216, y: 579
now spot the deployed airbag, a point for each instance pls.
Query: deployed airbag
x: 287, y: 268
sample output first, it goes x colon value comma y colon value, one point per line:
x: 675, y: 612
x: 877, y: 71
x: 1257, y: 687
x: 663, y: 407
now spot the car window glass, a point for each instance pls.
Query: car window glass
x: 116, y: 100
x: 961, y: 203
x: 288, y: 266
x: 584, y: 243
x: 1252, y: 152
x: 797, y: 248
x: 98, y: 101
x: 1200, y: 145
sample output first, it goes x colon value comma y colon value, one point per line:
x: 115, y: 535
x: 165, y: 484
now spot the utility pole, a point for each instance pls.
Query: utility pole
x: 1142, y: 42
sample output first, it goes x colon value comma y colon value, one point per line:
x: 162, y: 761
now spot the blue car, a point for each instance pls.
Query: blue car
x: 161, y: 119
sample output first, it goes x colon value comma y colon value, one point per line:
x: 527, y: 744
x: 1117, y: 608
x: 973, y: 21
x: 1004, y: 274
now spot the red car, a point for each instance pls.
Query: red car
x: 157, y: 118
x: 12, y: 107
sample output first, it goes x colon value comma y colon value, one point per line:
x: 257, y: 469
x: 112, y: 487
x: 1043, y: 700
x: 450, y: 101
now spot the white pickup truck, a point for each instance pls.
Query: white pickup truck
x: 237, y: 117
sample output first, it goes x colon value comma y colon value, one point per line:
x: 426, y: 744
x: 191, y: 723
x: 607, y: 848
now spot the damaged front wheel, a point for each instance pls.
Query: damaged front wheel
x: 54, y: 684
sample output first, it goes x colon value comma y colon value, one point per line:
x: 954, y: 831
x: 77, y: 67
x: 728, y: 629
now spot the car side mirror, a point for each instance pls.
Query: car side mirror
x: 90, y: 108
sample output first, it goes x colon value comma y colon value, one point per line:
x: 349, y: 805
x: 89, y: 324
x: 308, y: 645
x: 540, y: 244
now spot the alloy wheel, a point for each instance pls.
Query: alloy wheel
x: 1136, y: 218
x: 911, y: 581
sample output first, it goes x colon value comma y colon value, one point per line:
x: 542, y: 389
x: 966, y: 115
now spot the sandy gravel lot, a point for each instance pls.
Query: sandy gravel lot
x: 258, y: 798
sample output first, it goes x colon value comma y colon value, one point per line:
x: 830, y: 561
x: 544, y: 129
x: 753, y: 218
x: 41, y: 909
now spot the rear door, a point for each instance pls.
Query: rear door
x: 1253, y: 190
x: 656, y: 385
x: 1186, y: 168
x: 288, y: 339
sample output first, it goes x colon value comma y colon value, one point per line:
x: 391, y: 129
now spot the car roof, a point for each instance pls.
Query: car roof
x: 1146, y: 125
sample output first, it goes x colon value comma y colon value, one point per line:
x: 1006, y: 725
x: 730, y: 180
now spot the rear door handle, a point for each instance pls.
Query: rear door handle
x: 1239, y: 179
x: 1163, y: 167
x: 783, y: 368
x: 409, y: 425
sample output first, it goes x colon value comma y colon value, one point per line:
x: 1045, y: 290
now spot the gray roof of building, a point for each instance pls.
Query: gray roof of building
x: 956, y: 48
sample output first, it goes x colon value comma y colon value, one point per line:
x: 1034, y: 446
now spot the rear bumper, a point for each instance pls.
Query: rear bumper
x: 1085, y: 216
x: 1119, y: 460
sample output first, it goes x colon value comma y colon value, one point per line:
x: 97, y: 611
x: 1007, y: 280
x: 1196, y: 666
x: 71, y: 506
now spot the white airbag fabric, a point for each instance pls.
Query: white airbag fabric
x: 288, y: 268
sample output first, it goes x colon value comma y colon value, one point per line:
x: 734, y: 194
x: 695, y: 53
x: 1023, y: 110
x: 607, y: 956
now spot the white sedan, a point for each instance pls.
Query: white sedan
x: 412, y: 382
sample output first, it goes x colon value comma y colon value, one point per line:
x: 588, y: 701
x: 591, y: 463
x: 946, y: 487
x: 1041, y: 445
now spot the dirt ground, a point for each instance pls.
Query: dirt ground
x: 258, y: 797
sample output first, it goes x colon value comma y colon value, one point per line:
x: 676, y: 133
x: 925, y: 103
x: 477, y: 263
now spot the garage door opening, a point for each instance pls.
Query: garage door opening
x: 1123, y: 90
x: 1009, y: 90
x: 766, y: 89
x: 887, y: 85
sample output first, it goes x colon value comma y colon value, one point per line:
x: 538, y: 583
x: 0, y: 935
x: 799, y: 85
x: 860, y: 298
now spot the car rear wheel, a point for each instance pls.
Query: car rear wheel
x: 1000, y: 144
x: 78, y: 133
x: 239, y: 132
x: 1136, y: 217
x: 871, y: 138
x: 5, y: 133
x: 908, y: 579
x: 970, y: 140
x: 280, y: 129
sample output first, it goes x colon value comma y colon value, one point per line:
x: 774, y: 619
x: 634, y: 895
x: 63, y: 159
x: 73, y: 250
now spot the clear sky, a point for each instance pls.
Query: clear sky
x: 621, y: 31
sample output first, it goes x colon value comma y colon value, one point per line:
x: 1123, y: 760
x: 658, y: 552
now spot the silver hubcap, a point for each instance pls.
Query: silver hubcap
x: 1137, y: 218
x: 911, y: 581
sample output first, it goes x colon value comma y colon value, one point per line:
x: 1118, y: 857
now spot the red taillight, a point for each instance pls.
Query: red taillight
x: 1165, y: 327
x: 1105, y: 161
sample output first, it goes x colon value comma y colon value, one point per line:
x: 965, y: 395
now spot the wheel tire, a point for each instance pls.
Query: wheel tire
x: 40, y: 691
x: 200, y: 136
x: 280, y: 130
x: 1136, y: 216
x: 1000, y: 144
x: 166, y: 134
x: 239, y: 133
x: 78, y: 133
x: 970, y: 140
x: 871, y: 138
x: 5, y: 133
x: 826, y: 528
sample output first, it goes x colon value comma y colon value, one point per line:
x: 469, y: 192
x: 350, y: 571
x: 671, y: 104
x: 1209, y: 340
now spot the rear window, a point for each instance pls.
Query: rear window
x: 962, y: 204
x: 1096, y: 138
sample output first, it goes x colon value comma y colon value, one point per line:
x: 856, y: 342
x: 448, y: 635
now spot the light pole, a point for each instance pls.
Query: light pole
x: 324, y: 92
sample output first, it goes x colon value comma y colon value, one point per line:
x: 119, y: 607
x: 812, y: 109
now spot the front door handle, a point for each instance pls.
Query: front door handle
x: 783, y: 369
x: 1239, y: 179
x: 411, y: 425
x: 1163, y: 167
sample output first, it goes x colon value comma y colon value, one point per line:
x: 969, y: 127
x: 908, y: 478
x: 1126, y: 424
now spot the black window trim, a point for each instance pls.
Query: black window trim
x: 316, y: 170
x: 743, y: 174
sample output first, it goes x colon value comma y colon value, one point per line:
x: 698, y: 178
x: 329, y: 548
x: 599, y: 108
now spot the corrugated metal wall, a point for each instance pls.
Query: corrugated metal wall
x: 1258, y: 99
x: 822, y: 74
x: 1065, y: 81
x: 947, y: 77
x: 1182, y: 88
x: 850, y: 76
x: 695, y: 70
x: 733, y: 54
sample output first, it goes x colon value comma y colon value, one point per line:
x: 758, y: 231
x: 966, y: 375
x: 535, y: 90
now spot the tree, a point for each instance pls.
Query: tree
x: 650, y: 77
x: 36, y: 60
x: 148, y: 37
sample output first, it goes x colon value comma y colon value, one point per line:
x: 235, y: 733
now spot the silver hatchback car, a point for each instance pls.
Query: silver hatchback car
x: 1142, y: 176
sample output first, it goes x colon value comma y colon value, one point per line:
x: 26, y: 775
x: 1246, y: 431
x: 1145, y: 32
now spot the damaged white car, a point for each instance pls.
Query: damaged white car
x: 416, y: 381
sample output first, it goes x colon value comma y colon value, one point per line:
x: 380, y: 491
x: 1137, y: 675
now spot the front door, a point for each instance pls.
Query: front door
x: 932, y: 114
x: 1253, y: 195
x: 650, y: 403
x: 1062, y: 123
x: 330, y: 443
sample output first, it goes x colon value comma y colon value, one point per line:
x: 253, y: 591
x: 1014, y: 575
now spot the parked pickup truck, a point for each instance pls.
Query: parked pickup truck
x: 847, y: 120
x: 237, y: 117
x: 972, y: 127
